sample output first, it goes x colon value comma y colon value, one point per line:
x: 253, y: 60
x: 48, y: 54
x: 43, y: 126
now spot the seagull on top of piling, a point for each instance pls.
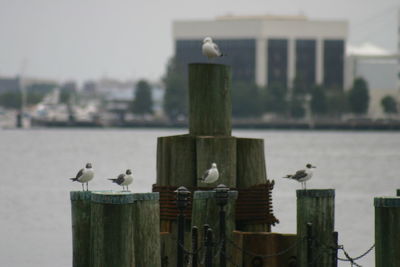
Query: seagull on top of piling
x: 302, y: 176
x: 84, y: 176
x: 210, y: 49
x: 211, y: 175
x: 124, y: 179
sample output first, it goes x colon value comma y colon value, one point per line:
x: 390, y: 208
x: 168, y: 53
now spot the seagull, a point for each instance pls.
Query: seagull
x: 302, y: 175
x: 84, y: 176
x: 210, y: 49
x: 124, y: 179
x: 211, y: 175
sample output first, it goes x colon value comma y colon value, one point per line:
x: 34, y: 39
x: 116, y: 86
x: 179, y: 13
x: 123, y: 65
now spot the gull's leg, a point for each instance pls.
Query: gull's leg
x: 83, y: 187
x: 87, y: 186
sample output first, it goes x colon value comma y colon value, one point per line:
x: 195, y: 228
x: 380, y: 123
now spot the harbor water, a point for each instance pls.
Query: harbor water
x: 35, y: 215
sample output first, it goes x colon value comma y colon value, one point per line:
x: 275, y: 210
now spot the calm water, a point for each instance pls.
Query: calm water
x: 35, y: 223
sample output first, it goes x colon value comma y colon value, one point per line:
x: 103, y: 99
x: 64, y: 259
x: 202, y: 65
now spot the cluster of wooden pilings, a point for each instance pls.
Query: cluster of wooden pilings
x: 123, y: 229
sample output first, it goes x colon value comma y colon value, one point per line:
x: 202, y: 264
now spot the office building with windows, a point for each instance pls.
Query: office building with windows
x: 269, y: 49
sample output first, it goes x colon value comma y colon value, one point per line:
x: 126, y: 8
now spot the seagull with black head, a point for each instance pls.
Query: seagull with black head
x: 302, y: 176
x: 124, y: 179
x: 84, y: 176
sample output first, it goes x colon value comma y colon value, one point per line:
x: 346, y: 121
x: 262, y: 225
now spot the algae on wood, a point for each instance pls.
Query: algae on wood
x: 80, y: 214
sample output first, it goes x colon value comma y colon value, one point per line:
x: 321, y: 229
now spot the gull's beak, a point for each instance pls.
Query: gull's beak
x: 313, y: 167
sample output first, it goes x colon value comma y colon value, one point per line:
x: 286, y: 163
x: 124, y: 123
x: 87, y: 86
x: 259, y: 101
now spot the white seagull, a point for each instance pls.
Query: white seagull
x: 210, y: 49
x: 84, y: 176
x: 211, y: 175
x: 124, y: 179
x: 302, y: 176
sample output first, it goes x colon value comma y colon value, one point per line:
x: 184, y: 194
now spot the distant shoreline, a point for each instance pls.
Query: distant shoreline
x: 243, y: 124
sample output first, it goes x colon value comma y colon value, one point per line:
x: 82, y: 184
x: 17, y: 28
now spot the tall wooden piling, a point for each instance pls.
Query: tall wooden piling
x: 80, y: 214
x: 387, y: 231
x: 252, y: 171
x: 210, y: 104
x: 315, y: 206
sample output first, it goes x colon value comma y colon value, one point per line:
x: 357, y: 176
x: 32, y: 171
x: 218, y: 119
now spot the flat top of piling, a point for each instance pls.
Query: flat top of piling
x: 122, y: 197
x: 387, y: 202
x: 80, y: 195
x: 315, y: 193
x: 211, y: 194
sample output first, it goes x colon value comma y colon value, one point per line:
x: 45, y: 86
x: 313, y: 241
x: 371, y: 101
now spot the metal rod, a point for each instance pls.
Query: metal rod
x: 222, y: 229
x: 209, y: 245
x: 181, y: 238
x: 195, y: 239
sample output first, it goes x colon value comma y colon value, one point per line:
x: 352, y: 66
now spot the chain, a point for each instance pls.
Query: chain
x: 352, y: 260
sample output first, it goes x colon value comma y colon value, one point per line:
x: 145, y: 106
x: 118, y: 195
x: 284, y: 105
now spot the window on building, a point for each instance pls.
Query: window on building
x: 305, y: 62
x: 277, y: 61
x: 333, y: 64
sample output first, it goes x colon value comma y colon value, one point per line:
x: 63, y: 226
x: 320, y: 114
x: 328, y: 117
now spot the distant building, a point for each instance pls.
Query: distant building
x: 269, y: 49
x: 379, y: 68
x: 8, y: 84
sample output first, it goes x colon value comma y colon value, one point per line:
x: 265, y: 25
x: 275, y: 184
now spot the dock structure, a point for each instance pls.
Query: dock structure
x: 182, y: 159
x: 127, y: 229
x: 115, y: 229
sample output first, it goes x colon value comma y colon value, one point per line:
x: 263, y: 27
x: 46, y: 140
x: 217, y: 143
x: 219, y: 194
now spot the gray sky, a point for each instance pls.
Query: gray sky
x: 88, y: 39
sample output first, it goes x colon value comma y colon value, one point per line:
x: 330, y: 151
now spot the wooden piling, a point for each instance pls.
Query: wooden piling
x: 387, y: 231
x: 210, y: 104
x: 315, y: 206
x: 146, y: 216
x: 251, y: 170
x: 112, y: 229
x: 206, y: 211
x: 80, y: 214
x: 222, y: 151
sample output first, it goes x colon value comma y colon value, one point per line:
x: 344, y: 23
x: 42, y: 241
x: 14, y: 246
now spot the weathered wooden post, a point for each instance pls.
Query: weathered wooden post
x: 315, y: 206
x: 205, y: 210
x: 146, y: 216
x: 387, y: 231
x: 112, y: 229
x: 210, y: 104
x: 80, y: 214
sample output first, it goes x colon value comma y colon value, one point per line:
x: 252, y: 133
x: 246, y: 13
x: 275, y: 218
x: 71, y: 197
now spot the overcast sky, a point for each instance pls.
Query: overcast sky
x: 132, y: 39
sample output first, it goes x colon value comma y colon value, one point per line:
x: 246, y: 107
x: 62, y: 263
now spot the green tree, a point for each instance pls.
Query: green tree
x: 246, y: 100
x: 389, y: 104
x: 176, y: 93
x: 336, y: 103
x: 318, y: 100
x: 359, y: 97
x: 143, y: 102
x: 275, y: 98
x: 297, y: 110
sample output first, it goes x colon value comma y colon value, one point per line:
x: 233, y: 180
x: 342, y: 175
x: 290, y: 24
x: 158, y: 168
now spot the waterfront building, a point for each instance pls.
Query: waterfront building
x: 269, y: 49
x: 379, y: 68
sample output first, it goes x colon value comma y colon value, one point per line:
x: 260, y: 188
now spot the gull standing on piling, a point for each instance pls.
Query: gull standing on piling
x: 124, y: 179
x: 84, y: 176
x: 210, y: 49
x: 302, y: 176
x: 211, y: 175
